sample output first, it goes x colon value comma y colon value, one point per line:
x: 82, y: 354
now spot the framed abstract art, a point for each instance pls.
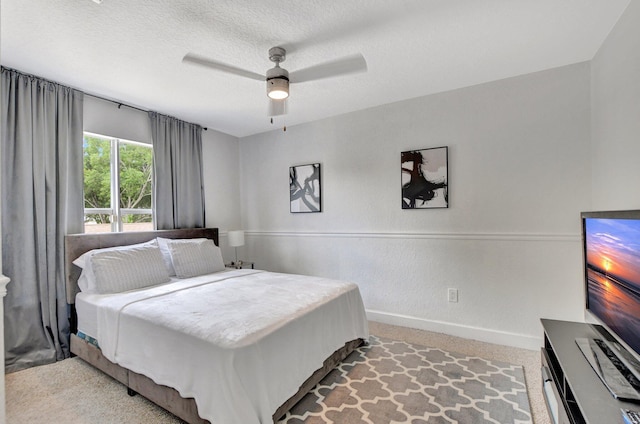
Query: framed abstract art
x: 425, y: 178
x: 304, y: 188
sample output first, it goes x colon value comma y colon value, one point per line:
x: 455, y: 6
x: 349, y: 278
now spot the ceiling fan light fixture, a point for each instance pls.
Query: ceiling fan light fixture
x: 277, y: 78
x: 278, y: 88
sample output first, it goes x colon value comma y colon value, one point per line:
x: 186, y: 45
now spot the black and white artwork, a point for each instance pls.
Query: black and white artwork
x: 304, y: 188
x: 425, y: 178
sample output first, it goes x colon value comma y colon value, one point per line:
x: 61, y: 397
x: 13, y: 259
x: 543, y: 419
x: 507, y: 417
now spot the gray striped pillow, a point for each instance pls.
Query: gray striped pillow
x: 195, y: 257
x: 121, y: 270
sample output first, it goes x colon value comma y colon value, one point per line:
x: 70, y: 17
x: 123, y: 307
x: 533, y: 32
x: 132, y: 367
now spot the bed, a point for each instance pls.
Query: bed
x: 233, y: 349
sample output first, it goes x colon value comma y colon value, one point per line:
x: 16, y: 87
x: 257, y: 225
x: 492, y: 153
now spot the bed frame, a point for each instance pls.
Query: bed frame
x: 165, y: 397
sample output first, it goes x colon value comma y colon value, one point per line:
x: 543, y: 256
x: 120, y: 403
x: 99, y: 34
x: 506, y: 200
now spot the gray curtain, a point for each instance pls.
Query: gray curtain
x: 178, y: 199
x: 41, y: 202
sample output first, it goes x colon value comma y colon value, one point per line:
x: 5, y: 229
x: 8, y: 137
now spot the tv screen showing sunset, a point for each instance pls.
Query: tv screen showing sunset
x: 612, y: 248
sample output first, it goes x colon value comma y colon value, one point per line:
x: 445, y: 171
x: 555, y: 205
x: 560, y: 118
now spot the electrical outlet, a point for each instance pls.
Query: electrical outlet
x: 452, y: 295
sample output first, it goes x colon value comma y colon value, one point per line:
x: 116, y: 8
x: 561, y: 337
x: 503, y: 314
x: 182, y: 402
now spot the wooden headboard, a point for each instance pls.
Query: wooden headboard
x: 77, y: 244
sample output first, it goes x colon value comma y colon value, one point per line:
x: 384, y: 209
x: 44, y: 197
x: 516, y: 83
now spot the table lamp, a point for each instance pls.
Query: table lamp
x: 236, y: 238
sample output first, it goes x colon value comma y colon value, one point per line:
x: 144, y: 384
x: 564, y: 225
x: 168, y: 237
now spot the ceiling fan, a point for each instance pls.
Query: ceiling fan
x: 278, y: 79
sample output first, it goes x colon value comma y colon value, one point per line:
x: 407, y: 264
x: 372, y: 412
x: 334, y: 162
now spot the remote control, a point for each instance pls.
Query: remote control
x: 631, y: 417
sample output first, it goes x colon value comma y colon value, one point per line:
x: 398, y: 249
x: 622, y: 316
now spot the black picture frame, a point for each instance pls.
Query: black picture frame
x: 305, y: 189
x: 424, y: 176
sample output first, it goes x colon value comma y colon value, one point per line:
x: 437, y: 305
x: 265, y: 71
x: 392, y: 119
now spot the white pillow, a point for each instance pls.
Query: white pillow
x: 128, y: 269
x: 193, y: 257
x: 87, y: 280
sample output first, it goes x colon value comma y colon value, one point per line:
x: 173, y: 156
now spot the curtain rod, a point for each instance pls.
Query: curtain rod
x: 120, y: 104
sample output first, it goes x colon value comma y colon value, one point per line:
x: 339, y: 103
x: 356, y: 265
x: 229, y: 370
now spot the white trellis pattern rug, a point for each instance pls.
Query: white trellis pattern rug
x: 395, y: 382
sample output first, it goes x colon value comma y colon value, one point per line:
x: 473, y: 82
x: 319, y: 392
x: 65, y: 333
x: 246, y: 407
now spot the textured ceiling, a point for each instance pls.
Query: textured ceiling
x: 131, y: 51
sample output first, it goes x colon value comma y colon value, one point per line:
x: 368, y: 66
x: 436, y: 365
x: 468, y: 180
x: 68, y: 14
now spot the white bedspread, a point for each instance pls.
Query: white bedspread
x: 240, y: 342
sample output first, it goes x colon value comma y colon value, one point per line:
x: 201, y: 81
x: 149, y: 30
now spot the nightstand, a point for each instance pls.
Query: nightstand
x: 242, y: 264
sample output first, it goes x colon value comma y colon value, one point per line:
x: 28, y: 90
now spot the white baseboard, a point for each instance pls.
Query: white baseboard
x: 464, y: 331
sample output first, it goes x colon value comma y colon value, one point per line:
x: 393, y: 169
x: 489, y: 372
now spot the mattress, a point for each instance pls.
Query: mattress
x: 87, y: 311
x: 239, y: 342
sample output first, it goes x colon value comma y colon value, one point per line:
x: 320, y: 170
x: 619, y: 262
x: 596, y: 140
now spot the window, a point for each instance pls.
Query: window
x: 117, y: 185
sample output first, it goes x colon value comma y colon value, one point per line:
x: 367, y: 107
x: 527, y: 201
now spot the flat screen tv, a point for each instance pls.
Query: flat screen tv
x: 611, y: 242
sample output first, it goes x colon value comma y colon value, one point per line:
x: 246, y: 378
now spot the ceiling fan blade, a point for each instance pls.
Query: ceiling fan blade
x: 342, y: 66
x: 219, y: 66
x: 278, y: 107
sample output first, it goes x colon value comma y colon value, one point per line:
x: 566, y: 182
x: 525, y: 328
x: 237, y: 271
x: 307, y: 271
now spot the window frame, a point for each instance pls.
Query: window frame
x: 115, y: 211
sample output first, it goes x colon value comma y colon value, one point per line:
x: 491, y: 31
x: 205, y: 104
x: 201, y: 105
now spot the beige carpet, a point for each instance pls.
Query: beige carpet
x: 73, y: 392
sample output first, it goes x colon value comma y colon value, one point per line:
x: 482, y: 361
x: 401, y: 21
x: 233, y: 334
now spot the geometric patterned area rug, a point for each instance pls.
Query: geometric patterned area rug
x: 391, y: 381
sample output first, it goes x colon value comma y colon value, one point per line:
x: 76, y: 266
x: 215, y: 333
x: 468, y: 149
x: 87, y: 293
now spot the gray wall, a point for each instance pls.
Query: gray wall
x: 615, y: 82
x: 519, y: 174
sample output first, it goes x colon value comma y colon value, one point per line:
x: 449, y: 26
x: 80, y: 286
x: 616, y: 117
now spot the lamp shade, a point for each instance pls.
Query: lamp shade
x: 236, y: 238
